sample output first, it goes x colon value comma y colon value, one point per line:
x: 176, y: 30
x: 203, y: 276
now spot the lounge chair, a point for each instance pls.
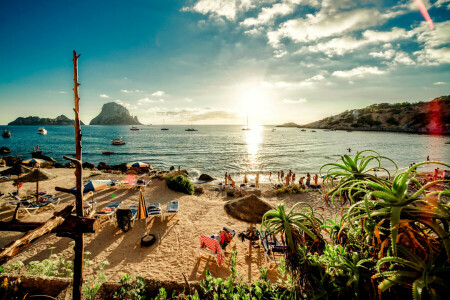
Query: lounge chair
x: 211, y: 248
x: 272, y: 248
x: 172, y: 207
x: 109, y: 211
x: 49, y: 201
x: 27, y: 206
x: 154, y: 209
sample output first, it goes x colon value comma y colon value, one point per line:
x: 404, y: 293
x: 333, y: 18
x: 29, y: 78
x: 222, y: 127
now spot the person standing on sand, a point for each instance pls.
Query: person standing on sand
x: 287, y: 179
x: 278, y: 174
x: 428, y: 158
x: 308, y: 179
x: 270, y: 176
x: 293, y: 178
x: 257, y: 180
x: 179, y: 168
x: 226, y: 178
x: 282, y: 175
x: 316, y: 179
x: 435, y: 175
x: 233, y: 184
x: 245, y: 178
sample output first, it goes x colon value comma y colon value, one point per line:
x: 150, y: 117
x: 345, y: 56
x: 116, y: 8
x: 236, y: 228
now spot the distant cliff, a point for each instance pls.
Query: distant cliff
x: 290, y: 124
x: 114, y: 114
x: 422, y: 117
x: 61, y: 120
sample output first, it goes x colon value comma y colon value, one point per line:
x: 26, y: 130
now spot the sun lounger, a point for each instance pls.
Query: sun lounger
x: 172, y: 207
x: 49, y: 201
x: 211, y: 248
x: 109, y: 211
x: 26, y: 206
x: 154, y: 209
x: 272, y: 248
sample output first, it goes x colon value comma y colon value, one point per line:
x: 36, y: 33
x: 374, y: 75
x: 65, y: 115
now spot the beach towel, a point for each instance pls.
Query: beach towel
x: 213, y: 245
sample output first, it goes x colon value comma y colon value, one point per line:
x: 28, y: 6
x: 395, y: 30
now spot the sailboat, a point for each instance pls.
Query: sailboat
x: 164, y: 128
x: 246, y: 128
x: 191, y: 128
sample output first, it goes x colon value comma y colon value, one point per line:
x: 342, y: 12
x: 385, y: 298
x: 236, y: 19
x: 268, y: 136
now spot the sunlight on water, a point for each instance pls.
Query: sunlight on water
x: 253, y: 138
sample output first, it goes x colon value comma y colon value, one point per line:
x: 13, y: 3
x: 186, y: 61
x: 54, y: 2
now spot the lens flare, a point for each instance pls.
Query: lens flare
x: 424, y: 12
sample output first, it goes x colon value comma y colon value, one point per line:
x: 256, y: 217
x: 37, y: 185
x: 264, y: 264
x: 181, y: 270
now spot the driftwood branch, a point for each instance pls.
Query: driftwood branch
x: 65, y: 190
x: 74, y: 160
x: 16, y: 246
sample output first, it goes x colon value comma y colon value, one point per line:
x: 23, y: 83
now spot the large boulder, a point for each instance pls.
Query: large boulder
x: 4, y: 150
x: 87, y: 165
x: 103, y: 166
x: 121, y: 167
x: 205, y: 177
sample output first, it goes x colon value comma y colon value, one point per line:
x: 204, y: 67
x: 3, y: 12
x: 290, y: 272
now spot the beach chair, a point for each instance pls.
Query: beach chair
x: 172, y: 207
x: 211, y: 248
x: 154, y: 209
x: 272, y: 248
x: 26, y: 206
x: 109, y: 211
x: 49, y: 201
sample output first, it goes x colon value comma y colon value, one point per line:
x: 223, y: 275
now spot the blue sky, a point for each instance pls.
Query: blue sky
x: 215, y: 61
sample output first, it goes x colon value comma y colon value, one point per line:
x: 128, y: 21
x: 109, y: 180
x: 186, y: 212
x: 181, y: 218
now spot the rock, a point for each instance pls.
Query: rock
x: 11, y: 161
x: 61, y: 120
x: 252, y: 192
x: 172, y: 168
x: 4, y: 150
x: 88, y: 165
x: 58, y: 165
x: 205, y: 177
x: 121, y: 167
x: 103, y: 166
x: 199, y: 190
x: 114, y: 114
x: 2, y: 163
x: 69, y: 165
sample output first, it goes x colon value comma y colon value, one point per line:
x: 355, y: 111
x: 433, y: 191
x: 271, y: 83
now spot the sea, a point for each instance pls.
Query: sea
x: 217, y: 149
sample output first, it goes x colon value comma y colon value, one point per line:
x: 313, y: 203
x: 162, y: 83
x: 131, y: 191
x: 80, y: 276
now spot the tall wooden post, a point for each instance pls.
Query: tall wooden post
x: 78, y: 237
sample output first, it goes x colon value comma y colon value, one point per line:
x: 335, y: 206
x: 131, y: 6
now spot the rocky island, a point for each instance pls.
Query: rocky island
x: 61, y: 120
x: 431, y: 117
x: 114, y: 114
x: 290, y: 124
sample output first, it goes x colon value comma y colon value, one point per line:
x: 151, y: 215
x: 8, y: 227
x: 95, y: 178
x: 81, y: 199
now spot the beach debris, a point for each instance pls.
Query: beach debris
x: 205, y: 177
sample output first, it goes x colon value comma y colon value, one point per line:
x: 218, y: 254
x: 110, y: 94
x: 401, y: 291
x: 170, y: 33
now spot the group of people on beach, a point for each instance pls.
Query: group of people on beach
x: 230, y: 181
x: 289, y: 179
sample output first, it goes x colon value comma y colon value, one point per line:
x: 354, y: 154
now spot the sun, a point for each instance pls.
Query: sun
x: 254, y: 102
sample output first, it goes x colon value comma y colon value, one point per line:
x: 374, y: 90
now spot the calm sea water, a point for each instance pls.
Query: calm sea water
x: 216, y: 149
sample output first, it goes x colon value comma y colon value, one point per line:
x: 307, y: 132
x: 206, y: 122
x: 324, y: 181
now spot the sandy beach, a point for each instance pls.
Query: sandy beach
x: 175, y: 252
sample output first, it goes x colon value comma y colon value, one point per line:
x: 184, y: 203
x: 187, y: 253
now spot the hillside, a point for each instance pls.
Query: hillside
x: 421, y: 117
x: 114, y: 114
x: 61, y: 120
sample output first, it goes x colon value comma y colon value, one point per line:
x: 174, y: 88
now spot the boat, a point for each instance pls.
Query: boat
x: 42, y: 131
x: 313, y: 131
x: 190, y: 129
x: 246, y: 128
x: 118, y: 141
x: 273, y: 129
x: 107, y: 153
x: 134, y: 128
x: 303, y: 129
x: 6, y: 133
x: 164, y: 128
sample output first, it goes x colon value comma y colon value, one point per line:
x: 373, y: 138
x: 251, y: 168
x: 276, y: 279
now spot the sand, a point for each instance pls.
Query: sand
x: 175, y: 252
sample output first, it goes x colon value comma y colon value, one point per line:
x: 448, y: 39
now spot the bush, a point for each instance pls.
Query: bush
x: 391, y: 120
x: 181, y: 184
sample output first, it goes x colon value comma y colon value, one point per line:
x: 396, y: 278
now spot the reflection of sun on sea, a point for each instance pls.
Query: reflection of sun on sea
x: 253, y: 139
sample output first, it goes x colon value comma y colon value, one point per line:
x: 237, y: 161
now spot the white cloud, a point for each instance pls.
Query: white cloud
x: 322, y: 25
x: 159, y: 94
x: 146, y: 100
x: 439, y: 83
x: 188, y: 99
x: 358, y: 72
x: 433, y: 57
x: 279, y: 53
x: 267, y: 14
x: 220, y: 8
x: 388, y: 54
x: 103, y: 96
x: 199, y: 114
x: 290, y: 101
x: 403, y: 58
x: 126, y: 104
x: 130, y: 91
x: 62, y: 92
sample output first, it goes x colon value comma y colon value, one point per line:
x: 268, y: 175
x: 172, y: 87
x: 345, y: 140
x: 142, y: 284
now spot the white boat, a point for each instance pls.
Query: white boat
x: 42, y: 131
x: 134, y: 128
x: 118, y: 141
x: 246, y: 128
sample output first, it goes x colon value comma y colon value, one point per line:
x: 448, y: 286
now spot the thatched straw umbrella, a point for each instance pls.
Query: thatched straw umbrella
x: 249, y: 209
x: 16, y: 170
x: 35, y: 176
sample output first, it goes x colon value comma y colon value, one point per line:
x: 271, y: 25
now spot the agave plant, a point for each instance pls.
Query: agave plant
x: 390, y: 200
x: 356, y: 169
x: 430, y: 276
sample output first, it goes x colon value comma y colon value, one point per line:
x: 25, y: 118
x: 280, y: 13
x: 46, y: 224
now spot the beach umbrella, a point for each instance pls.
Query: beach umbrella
x: 96, y: 185
x: 142, y: 208
x: 249, y: 209
x: 137, y: 164
x: 35, y: 176
x: 16, y: 170
x: 33, y: 161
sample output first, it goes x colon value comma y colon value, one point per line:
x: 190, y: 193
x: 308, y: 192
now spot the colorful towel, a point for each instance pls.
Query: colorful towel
x: 213, y: 245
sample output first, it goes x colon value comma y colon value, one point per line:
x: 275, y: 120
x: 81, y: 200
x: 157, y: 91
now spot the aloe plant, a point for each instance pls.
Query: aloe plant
x: 356, y: 169
x: 428, y: 276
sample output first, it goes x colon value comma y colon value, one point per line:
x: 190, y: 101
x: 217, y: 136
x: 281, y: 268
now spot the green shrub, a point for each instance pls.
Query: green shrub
x: 391, y: 120
x: 181, y: 184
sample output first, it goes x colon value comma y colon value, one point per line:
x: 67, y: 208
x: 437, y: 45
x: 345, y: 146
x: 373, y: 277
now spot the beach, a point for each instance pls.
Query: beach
x: 178, y: 236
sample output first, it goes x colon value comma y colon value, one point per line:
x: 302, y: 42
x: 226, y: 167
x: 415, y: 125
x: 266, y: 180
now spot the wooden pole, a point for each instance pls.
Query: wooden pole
x: 79, y: 239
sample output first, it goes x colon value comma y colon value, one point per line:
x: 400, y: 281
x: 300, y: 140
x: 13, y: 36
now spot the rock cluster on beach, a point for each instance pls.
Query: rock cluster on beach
x: 61, y: 120
x: 114, y: 114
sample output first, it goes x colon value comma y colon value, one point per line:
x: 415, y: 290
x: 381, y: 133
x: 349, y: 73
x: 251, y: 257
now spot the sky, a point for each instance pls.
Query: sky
x: 217, y: 61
